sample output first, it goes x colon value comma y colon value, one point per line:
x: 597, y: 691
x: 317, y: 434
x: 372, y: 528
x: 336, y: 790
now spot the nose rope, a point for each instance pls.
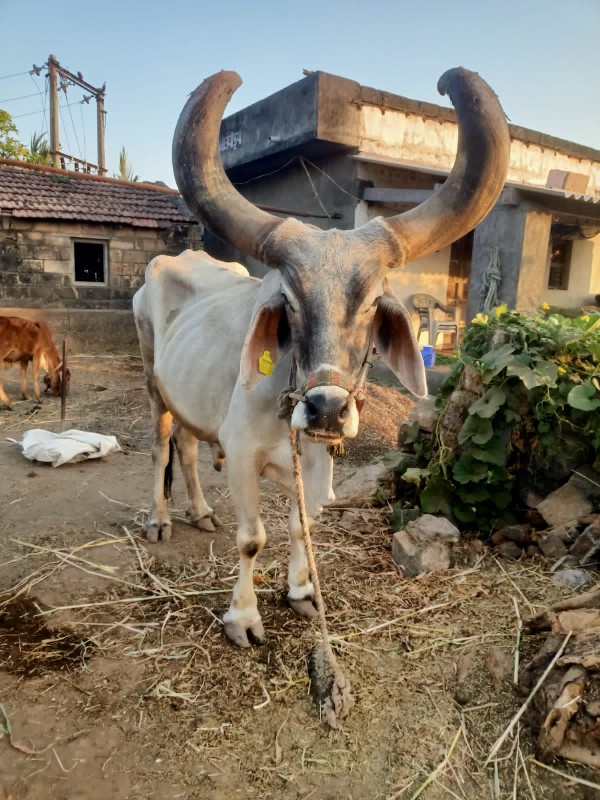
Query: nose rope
x: 290, y: 396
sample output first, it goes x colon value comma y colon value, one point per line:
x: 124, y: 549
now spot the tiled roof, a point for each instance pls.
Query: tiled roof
x: 61, y: 195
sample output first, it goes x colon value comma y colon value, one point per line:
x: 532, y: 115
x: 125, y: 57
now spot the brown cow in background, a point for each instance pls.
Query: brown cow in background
x: 24, y: 341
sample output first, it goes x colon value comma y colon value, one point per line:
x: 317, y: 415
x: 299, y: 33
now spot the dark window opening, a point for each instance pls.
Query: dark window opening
x: 560, y: 263
x: 89, y: 262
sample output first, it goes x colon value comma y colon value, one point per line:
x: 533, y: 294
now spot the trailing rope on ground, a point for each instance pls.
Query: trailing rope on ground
x: 329, y: 686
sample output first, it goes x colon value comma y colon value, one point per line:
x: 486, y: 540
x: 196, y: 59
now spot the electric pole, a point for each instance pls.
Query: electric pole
x: 54, y: 72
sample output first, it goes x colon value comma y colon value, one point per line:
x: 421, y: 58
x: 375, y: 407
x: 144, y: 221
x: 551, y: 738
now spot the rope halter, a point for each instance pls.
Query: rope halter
x: 289, y: 397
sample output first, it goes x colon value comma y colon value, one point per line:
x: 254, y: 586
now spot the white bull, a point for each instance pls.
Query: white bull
x: 205, y: 328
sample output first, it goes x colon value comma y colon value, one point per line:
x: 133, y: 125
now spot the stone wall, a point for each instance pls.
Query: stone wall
x: 37, y: 269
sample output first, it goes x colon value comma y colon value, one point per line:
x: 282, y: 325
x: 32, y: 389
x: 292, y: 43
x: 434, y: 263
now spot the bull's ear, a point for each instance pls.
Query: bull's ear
x: 268, y: 339
x: 397, y: 344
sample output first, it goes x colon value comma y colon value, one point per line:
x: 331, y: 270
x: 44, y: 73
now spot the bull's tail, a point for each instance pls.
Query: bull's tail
x: 168, y: 484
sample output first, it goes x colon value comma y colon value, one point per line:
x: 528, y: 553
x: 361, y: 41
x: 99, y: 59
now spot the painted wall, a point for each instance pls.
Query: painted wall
x: 432, y: 142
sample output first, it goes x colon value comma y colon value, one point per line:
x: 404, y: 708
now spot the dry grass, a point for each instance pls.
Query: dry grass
x: 428, y: 711
x: 398, y: 640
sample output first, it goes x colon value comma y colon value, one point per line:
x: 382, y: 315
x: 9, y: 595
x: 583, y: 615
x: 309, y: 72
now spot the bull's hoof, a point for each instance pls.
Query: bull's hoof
x: 204, y: 523
x: 158, y: 530
x: 240, y: 636
x: 217, y: 521
x: 304, y: 608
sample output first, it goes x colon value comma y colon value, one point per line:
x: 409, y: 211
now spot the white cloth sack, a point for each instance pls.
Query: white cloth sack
x: 62, y: 448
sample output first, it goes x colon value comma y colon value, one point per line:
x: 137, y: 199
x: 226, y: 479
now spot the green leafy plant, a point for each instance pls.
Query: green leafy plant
x: 538, y: 379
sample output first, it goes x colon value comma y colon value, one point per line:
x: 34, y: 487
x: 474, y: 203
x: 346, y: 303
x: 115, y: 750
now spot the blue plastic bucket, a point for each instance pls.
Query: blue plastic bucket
x: 428, y: 354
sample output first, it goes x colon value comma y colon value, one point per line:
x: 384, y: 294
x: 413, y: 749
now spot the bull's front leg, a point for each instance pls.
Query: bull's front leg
x: 159, y: 521
x: 301, y: 592
x: 242, y: 617
x: 317, y: 477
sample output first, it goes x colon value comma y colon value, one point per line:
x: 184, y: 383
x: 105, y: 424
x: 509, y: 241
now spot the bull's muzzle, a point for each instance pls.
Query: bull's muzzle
x: 327, y: 413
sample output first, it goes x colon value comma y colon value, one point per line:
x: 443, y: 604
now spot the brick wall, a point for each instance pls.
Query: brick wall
x: 37, y: 270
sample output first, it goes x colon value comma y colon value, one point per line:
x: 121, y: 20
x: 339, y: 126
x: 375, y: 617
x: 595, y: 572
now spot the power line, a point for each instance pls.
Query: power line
x: 44, y: 98
x: 21, y: 97
x: 31, y: 113
x: 14, y: 75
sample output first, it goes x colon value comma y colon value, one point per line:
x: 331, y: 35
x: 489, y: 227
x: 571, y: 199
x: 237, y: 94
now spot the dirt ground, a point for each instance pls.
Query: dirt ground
x: 116, y: 680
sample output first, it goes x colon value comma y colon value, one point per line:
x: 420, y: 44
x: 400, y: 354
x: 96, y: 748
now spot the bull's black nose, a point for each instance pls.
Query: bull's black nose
x: 326, y: 412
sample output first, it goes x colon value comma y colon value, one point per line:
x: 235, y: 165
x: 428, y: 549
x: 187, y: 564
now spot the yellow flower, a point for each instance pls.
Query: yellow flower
x: 561, y: 370
x: 585, y: 318
x: 480, y: 319
x: 501, y: 310
x: 545, y: 307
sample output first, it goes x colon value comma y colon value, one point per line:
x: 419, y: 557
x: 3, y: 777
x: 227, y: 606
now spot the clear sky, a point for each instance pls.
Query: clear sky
x: 542, y: 57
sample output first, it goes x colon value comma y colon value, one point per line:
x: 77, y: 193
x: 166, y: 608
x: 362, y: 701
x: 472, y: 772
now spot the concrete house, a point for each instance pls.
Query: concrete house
x: 335, y: 154
x: 76, y: 246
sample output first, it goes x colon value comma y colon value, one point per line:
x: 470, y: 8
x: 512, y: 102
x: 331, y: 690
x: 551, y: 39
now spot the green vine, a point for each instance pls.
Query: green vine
x: 538, y: 381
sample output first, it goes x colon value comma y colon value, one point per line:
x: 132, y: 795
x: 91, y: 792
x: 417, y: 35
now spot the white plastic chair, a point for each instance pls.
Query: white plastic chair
x: 426, y: 305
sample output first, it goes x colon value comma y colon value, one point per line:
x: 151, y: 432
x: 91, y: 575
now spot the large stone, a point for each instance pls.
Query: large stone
x: 428, y: 528
x: 509, y: 550
x: 564, y: 505
x: 424, y: 545
x: 552, y: 545
x: 515, y: 533
x: 425, y: 414
x: 414, y: 559
x: 356, y: 487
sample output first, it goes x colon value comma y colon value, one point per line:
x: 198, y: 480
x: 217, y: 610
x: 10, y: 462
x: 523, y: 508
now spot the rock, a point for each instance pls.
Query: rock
x: 497, y: 538
x: 586, y: 548
x: 589, y: 519
x: 407, y: 432
x: 414, y: 560
x: 552, y: 545
x: 428, y: 528
x: 564, y: 505
x: 357, y: 487
x: 509, y: 550
x: 425, y: 414
x: 424, y: 545
x: 515, y: 533
x: 572, y: 578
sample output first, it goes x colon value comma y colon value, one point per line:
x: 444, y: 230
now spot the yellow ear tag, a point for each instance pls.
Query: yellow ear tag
x: 265, y: 363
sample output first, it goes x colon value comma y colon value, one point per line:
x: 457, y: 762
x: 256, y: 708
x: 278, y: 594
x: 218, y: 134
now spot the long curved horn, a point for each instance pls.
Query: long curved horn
x: 477, y: 176
x: 199, y: 172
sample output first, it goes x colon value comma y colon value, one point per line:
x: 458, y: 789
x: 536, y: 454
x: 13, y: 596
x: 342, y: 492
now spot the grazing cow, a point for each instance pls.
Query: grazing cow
x: 220, y: 348
x: 23, y: 341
